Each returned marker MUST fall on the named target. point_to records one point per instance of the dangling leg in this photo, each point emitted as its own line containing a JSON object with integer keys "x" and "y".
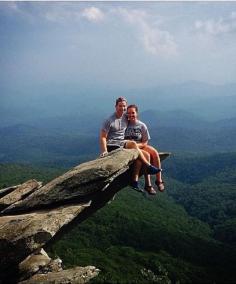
{"x": 155, "y": 159}
{"x": 150, "y": 169}
{"x": 135, "y": 175}
{"x": 148, "y": 184}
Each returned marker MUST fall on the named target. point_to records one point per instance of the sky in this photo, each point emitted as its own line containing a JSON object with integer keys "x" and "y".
{"x": 117, "y": 44}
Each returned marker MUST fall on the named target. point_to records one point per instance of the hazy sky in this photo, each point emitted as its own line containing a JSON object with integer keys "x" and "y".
{"x": 128, "y": 44}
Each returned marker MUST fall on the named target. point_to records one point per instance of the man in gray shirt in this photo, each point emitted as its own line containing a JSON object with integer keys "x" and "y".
{"x": 113, "y": 128}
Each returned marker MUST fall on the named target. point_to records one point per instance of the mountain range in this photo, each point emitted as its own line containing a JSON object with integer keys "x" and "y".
{"x": 66, "y": 140}
{"x": 30, "y": 104}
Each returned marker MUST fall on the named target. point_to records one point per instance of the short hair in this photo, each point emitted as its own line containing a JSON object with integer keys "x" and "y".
{"x": 120, "y": 99}
{"x": 133, "y": 106}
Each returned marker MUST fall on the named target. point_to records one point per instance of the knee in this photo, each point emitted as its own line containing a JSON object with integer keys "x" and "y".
{"x": 131, "y": 145}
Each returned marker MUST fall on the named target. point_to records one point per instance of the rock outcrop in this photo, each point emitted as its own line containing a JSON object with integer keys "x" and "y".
{"x": 78, "y": 275}
{"x": 40, "y": 268}
{"x": 33, "y": 216}
{"x": 19, "y": 193}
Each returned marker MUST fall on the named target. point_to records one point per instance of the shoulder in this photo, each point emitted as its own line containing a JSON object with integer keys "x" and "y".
{"x": 107, "y": 123}
{"x": 141, "y": 124}
{"x": 110, "y": 118}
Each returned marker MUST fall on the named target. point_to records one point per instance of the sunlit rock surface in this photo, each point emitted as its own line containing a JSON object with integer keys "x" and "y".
{"x": 19, "y": 192}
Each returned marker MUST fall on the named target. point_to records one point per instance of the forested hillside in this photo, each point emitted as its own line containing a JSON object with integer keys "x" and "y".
{"x": 186, "y": 234}
{"x": 208, "y": 191}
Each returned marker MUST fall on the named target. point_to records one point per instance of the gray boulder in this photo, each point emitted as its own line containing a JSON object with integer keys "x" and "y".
{"x": 21, "y": 235}
{"x": 5, "y": 191}
{"x": 77, "y": 275}
{"x": 19, "y": 192}
{"x": 33, "y": 264}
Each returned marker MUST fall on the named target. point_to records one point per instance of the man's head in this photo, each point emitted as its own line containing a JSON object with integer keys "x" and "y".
{"x": 121, "y": 106}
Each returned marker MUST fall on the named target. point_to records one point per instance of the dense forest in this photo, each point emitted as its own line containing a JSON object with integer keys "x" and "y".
{"x": 185, "y": 235}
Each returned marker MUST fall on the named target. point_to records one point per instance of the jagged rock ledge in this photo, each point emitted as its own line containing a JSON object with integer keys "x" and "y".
{"x": 40, "y": 268}
{"x": 33, "y": 216}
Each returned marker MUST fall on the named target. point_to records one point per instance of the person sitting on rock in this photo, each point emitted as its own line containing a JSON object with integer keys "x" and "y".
{"x": 138, "y": 132}
{"x": 113, "y": 132}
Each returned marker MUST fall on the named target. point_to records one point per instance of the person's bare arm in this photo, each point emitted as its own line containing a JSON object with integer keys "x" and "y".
{"x": 103, "y": 143}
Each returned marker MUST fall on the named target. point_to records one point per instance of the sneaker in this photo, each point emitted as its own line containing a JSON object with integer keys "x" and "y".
{"x": 150, "y": 190}
{"x": 151, "y": 170}
{"x": 135, "y": 186}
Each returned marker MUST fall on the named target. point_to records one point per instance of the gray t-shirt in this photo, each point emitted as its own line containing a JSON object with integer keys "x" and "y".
{"x": 137, "y": 132}
{"x": 115, "y": 129}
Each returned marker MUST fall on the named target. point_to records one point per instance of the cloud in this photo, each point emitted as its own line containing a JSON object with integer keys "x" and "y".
{"x": 66, "y": 13}
{"x": 18, "y": 9}
{"x": 155, "y": 40}
{"x": 217, "y": 27}
{"x": 93, "y": 14}
{"x": 61, "y": 13}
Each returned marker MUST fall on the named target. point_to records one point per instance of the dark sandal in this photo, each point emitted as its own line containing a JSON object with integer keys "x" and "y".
{"x": 150, "y": 190}
{"x": 160, "y": 185}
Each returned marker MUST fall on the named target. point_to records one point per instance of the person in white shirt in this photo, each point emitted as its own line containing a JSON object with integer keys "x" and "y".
{"x": 138, "y": 132}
